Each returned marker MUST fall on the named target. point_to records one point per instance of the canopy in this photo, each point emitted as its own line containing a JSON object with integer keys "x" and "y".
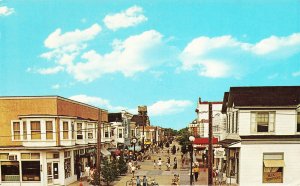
{"x": 105, "y": 152}
{"x": 204, "y": 141}
{"x": 274, "y": 163}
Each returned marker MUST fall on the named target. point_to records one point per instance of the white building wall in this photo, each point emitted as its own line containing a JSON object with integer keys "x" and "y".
{"x": 251, "y": 163}
{"x": 285, "y": 122}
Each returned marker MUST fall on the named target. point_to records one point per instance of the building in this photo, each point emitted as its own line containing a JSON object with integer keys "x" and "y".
{"x": 263, "y": 141}
{"x": 46, "y": 140}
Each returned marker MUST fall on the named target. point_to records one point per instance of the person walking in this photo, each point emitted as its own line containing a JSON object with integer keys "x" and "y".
{"x": 196, "y": 172}
{"x": 132, "y": 170}
{"x": 154, "y": 164}
{"x": 175, "y": 163}
{"x": 138, "y": 181}
{"x": 145, "y": 182}
{"x": 159, "y": 162}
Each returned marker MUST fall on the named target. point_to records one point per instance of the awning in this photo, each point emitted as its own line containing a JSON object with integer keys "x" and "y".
{"x": 105, "y": 152}
{"x": 227, "y": 143}
{"x": 204, "y": 141}
{"x": 274, "y": 163}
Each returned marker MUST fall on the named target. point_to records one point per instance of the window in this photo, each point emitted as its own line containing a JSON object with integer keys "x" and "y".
{"x": 54, "y": 155}
{"x": 262, "y": 122}
{"x": 49, "y": 130}
{"x": 79, "y": 131}
{"x": 106, "y": 135}
{"x": 16, "y": 130}
{"x": 35, "y": 129}
{"x": 30, "y": 156}
{"x": 273, "y": 168}
{"x": 10, "y": 171}
{"x": 298, "y": 122}
{"x": 90, "y": 131}
{"x": 24, "y": 130}
{"x": 67, "y": 164}
{"x": 31, "y": 171}
{"x": 3, "y": 156}
{"x": 65, "y": 130}
{"x": 120, "y": 133}
{"x": 73, "y": 132}
{"x": 236, "y": 122}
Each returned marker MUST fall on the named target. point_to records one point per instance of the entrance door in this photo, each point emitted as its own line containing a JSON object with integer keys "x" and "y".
{"x": 52, "y": 173}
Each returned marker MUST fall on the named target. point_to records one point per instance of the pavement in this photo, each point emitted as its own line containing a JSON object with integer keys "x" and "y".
{"x": 162, "y": 177}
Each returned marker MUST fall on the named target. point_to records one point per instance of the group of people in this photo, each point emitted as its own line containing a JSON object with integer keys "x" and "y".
{"x": 143, "y": 182}
{"x": 168, "y": 163}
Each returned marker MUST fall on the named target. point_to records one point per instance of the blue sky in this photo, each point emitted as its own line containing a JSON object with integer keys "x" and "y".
{"x": 163, "y": 54}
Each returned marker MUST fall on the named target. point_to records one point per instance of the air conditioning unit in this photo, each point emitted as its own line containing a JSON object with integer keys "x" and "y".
{"x": 12, "y": 157}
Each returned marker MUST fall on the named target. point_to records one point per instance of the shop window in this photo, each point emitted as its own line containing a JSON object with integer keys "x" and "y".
{"x": 10, "y": 171}
{"x": 31, "y": 171}
{"x": 16, "y": 130}
{"x": 49, "y": 130}
{"x": 52, "y": 155}
{"x": 262, "y": 122}
{"x": 35, "y": 129}
{"x": 273, "y": 168}
{"x": 67, "y": 164}
{"x": 65, "y": 130}
{"x": 298, "y": 122}
{"x": 79, "y": 131}
{"x": 24, "y": 130}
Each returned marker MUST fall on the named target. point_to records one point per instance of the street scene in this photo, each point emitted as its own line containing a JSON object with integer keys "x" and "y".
{"x": 149, "y": 93}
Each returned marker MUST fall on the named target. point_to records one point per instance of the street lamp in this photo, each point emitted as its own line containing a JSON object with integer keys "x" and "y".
{"x": 192, "y": 139}
{"x": 134, "y": 142}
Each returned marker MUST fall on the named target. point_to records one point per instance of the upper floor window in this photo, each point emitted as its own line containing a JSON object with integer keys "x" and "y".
{"x": 35, "y": 127}
{"x": 16, "y": 130}
{"x": 298, "y": 122}
{"x": 106, "y": 135}
{"x": 24, "y": 130}
{"x": 79, "y": 131}
{"x": 120, "y": 133}
{"x": 262, "y": 121}
{"x": 49, "y": 130}
{"x": 90, "y": 131}
{"x": 65, "y": 130}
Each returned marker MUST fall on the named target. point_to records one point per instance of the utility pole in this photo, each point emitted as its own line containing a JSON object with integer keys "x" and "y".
{"x": 144, "y": 123}
{"x": 210, "y": 151}
{"x": 98, "y": 165}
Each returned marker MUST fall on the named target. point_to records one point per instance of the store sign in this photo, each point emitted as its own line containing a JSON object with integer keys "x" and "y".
{"x": 272, "y": 177}
{"x": 219, "y": 153}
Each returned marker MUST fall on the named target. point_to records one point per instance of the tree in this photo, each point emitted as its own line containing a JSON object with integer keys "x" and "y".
{"x": 122, "y": 166}
{"x": 108, "y": 173}
{"x": 95, "y": 178}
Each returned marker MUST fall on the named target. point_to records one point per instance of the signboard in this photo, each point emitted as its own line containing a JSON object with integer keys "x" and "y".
{"x": 272, "y": 177}
{"x": 219, "y": 153}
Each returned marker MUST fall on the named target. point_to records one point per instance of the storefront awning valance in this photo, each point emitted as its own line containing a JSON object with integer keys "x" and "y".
{"x": 105, "y": 152}
{"x": 204, "y": 141}
{"x": 274, "y": 163}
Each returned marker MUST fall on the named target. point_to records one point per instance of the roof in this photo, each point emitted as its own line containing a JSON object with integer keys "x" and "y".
{"x": 204, "y": 141}
{"x": 262, "y": 96}
{"x": 115, "y": 117}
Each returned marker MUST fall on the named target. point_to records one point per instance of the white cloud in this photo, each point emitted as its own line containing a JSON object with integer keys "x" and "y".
{"x": 5, "y": 11}
{"x": 56, "y": 86}
{"x": 54, "y": 70}
{"x": 156, "y": 109}
{"x": 168, "y": 107}
{"x": 225, "y": 56}
{"x": 130, "y": 17}
{"x": 296, "y": 74}
{"x": 135, "y": 54}
{"x": 97, "y": 101}
{"x": 56, "y": 39}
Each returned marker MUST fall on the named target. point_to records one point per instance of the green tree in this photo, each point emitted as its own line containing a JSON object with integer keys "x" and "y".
{"x": 122, "y": 166}
{"x": 108, "y": 173}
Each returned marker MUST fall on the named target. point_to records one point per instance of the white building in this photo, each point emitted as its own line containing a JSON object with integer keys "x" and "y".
{"x": 263, "y": 142}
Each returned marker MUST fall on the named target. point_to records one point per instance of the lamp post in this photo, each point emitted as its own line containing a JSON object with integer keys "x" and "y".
{"x": 192, "y": 139}
{"x": 134, "y": 142}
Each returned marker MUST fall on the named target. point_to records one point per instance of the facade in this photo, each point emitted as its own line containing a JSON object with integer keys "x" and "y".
{"x": 263, "y": 141}
{"x": 46, "y": 140}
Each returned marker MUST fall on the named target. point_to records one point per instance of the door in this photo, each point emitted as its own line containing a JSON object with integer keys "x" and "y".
{"x": 52, "y": 173}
